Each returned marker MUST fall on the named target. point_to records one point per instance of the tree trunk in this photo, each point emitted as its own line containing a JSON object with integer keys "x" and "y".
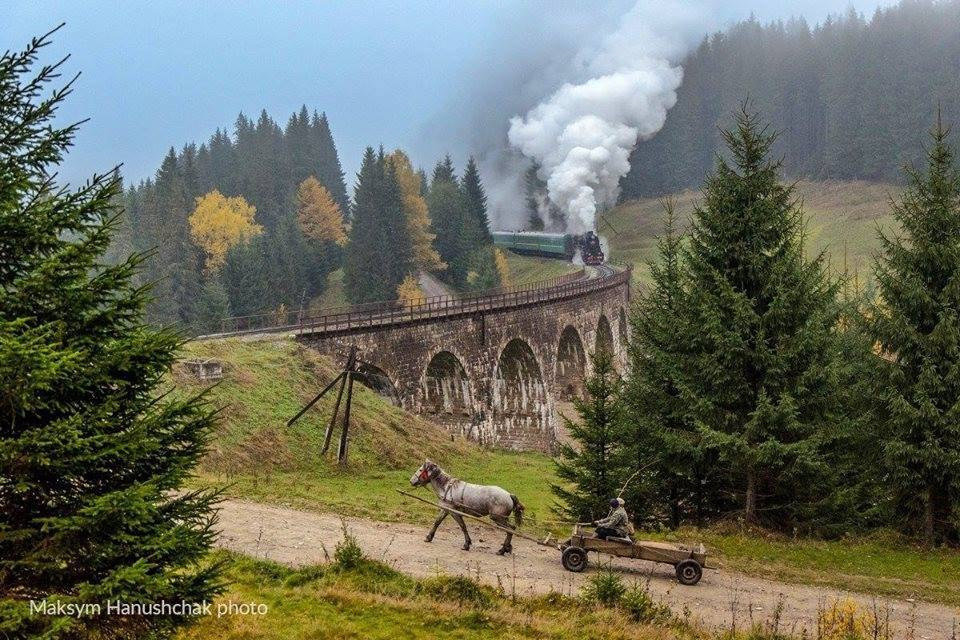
{"x": 674, "y": 505}
{"x": 930, "y": 514}
{"x": 750, "y": 502}
{"x": 699, "y": 489}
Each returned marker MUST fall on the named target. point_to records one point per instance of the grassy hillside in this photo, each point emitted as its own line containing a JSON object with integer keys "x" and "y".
{"x": 841, "y": 217}
{"x": 267, "y": 382}
{"x": 257, "y": 457}
{"x": 527, "y": 269}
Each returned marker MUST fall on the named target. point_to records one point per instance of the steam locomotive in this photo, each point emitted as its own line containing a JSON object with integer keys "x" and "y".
{"x": 552, "y": 245}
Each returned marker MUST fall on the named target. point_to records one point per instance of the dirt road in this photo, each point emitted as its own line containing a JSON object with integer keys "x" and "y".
{"x": 296, "y": 537}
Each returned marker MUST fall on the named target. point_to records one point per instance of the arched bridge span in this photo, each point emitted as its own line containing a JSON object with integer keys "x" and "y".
{"x": 489, "y": 367}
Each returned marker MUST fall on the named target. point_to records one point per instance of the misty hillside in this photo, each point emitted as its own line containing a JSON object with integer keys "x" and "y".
{"x": 853, "y": 97}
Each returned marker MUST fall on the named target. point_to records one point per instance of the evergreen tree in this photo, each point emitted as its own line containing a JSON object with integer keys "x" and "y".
{"x": 853, "y": 96}
{"x": 535, "y": 192}
{"x": 476, "y": 199}
{"x": 91, "y": 453}
{"x": 378, "y": 254}
{"x": 448, "y": 215}
{"x": 212, "y": 307}
{"x": 916, "y": 322}
{"x": 593, "y": 471}
{"x": 245, "y": 277}
{"x": 329, "y": 169}
{"x": 444, "y": 172}
{"x": 483, "y": 272}
{"x": 663, "y": 440}
{"x": 762, "y": 349}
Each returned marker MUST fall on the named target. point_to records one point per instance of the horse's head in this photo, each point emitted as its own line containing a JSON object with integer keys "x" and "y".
{"x": 427, "y": 472}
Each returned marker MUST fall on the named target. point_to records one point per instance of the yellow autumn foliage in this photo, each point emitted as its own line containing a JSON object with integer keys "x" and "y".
{"x": 409, "y": 291}
{"x": 503, "y": 267}
{"x": 418, "y": 217}
{"x": 844, "y": 619}
{"x": 219, "y": 223}
{"x": 318, "y": 214}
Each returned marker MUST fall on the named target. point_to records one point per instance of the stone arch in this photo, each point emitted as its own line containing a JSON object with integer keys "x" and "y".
{"x": 375, "y": 378}
{"x": 571, "y": 367}
{"x": 446, "y": 386}
{"x": 604, "y": 337}
{"x": 518, "y": 381}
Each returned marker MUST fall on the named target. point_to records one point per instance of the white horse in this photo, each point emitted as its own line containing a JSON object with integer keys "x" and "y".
{"x": 474, "y": 499}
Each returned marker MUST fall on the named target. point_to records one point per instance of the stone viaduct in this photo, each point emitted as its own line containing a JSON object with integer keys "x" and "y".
{"x": 492, "y": 367}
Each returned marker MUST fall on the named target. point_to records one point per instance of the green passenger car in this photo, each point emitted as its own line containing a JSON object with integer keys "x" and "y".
{"x": 551, "y": 245}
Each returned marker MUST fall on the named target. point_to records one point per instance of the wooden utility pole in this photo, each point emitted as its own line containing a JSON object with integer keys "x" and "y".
{"x": 345, "y": 378}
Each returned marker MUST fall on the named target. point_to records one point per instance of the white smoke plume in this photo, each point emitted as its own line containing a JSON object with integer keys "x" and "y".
{"x": 619, "y": 92}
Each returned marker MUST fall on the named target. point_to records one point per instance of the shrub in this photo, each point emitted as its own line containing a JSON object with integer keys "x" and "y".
{"x": 459, "y": 589}
{"x": 348, "y": 554}
{"x": 638, "y": 604}
{"x": 603, "y": 588}
{"x": 846, "y": 620}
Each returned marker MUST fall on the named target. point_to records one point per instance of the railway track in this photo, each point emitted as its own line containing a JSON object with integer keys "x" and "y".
{"x": 587, "y": 280}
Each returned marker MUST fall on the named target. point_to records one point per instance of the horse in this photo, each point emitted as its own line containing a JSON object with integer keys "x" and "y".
{"x": 474, "y": 499}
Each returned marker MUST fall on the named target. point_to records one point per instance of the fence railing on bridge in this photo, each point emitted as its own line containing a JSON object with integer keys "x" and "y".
{"x": 394, "y": 312}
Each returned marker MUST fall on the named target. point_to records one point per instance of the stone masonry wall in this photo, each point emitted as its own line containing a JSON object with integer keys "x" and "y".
{"x": 511, "y": 390}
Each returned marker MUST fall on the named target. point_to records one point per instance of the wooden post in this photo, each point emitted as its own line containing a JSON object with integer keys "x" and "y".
{"x": 342, "y": 450}
{"x": 333, "y": 417}
{"x": 314, "y": 401}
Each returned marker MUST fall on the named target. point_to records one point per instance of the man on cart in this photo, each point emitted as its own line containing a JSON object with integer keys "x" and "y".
{"x": 615, "y": 525}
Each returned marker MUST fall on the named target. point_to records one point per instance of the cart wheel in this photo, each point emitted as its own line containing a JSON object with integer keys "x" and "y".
{"x": 689, "y": 572}
{"x": 574, "y": 559}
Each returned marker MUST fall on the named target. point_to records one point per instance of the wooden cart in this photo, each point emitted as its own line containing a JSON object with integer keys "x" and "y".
{"x": 689, "y": 562}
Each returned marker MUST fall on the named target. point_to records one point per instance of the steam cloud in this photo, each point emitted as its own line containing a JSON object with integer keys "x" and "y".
{"x": 582, "y": 135}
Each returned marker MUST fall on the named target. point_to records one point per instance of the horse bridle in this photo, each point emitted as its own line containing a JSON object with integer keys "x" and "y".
{"x": 426, "y": 476}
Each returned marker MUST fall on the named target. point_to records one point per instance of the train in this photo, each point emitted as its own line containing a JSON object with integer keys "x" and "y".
{"x": 552, "y": 245}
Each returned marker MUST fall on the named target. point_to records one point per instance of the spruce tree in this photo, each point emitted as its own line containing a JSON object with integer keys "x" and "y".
{"x": 329, "y": 169}
{"x": 92, "y": 454}
{"x": 916, "y": 322}
{"x": 535, "y": 191}
{"x": 378, "y": 254}
{"x": 662, "y": 438}
{"x": 444, "y": 171}
{"x": 762, "y": 349}
{"x": 448, "y": 216}
{"x": 593, "y": 471}
{"x": 476, "y": 199}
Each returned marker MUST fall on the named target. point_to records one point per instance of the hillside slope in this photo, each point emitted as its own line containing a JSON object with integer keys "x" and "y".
{"x": 842, "y": 218}
{"x": 266, "y": 382}
{"x": 255, "y": 456}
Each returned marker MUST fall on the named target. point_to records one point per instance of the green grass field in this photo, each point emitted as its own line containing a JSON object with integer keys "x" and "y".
{"x": 843, "y": 219}
{"x": 364, "y": 599}
{"x": 527, "y": 269}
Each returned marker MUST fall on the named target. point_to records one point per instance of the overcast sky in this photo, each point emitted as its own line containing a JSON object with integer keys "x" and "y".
{"x": 161, "y": 73}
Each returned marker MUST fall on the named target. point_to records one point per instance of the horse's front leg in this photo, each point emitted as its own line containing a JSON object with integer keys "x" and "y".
{"x": 466, "y": 535}
{"x": 440, "y": 517}
{"x": 507, "y": 543}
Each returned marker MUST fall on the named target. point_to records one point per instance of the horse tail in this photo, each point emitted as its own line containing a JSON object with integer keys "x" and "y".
{"x": 518, "y": 509}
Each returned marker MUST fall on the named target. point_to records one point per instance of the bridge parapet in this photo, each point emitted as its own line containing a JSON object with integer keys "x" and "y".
{"x": 385, "y": 313}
